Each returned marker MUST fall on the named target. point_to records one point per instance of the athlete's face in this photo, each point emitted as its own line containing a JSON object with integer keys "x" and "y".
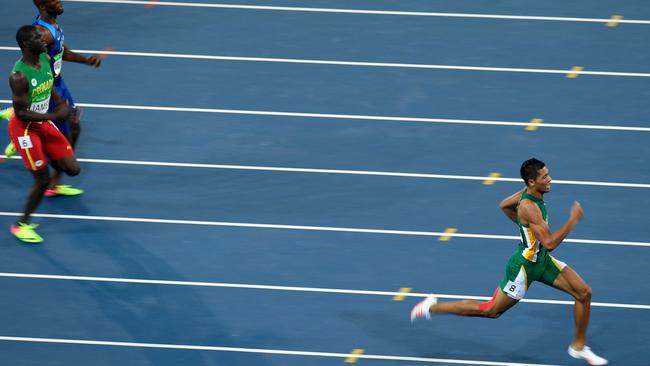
{"x": 52, "y": 7}
{"x": 35, "y": 43}
{"x": 542, "y": 182}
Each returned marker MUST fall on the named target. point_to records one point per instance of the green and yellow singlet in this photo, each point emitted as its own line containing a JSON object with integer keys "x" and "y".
{"x": 529, "y": 246}
{"x": 39, "y": 83}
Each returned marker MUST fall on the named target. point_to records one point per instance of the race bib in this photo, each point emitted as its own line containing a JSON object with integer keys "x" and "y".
{"x": 40, "y": 107}
{"x": 25, "y": 142}
{"x": 58, "y": 62}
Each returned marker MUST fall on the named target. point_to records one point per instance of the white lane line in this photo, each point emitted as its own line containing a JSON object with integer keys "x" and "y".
{"x": 339, "y": 171}
{"x": 313, "y": 228}
{"x": 356, "y": 172}
{"x": 362, "y": 11}
{"x": 263, "y": 351}
{"x": 355, "y": 117}
{"x": 357, "y": 63}
{"x": 297, "y": 289}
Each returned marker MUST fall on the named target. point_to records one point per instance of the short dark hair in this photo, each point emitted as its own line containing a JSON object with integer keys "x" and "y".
{"x": 530, "y": 168}
{"x": 23, "y": 33}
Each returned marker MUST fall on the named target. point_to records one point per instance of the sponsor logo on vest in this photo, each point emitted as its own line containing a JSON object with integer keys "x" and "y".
{"x": 43, "y": 87}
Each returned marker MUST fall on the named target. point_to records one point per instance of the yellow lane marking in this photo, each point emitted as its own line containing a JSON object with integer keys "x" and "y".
{"x": 450, "y": 230}
{"x": 615, "y": 19}
{"x": 534, "y": 124}
{"x": 352, "y": 359}
{"x": 573, "y": 75}
{"x": 403, "y": 290}
{"x": 489, "y": 182}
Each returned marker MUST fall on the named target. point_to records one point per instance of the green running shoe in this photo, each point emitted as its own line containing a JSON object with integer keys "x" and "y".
{"x": 6, "y": 113}
{"x": 25, "y": 233}
{"x": 62, "y": 190}
{"x": 10, "y": 150}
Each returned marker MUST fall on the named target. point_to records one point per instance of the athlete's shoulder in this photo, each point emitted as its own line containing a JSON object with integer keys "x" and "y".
{"x": 18, "y": 81}
{"x": 528, "y": 211}
{"x": 526, "y": 203}
{"x": 47, "y": 30}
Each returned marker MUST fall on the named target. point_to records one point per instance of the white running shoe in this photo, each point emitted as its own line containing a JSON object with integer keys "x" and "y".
{"x": 421, "y": 309}
{"x": 586, "y": 354}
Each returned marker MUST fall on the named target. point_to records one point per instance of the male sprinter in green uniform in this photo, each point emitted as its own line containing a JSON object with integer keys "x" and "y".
{"x": 46, "y": 22}
{"x": 31, "y": 130}
{"x": 531, "y": 262}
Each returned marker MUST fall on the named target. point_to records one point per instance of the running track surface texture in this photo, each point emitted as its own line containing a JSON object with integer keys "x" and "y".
{"x": 263, "y": 177}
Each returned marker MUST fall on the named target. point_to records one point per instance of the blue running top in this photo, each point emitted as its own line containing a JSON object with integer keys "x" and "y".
{"x": 55, "y": 50}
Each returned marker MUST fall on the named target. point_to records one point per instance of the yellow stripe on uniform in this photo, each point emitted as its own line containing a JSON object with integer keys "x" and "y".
{"x": 555, "y": 262}
{"x": 530, "y": 251}
{"x": 574, "y": 74}
{"x": 29, "y": 156}
{"x": 615, "y": 19}
{"x": 352, "y": 359}
{"x": 403, "y": 290}
{"x": 523, "y": 270}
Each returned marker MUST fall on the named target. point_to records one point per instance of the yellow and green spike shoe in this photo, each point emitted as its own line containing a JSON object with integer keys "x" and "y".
{"x": 7, "y": 113}
{"x": 62, "y": 190}
{"x": 10, "y": 150}
{"x": 25, "y": 233}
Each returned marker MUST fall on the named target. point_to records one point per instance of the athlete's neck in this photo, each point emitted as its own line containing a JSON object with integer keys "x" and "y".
{"x": 31, "y": 59}
{"x": 535, "y": 193}
{"x": 50, "y": 18}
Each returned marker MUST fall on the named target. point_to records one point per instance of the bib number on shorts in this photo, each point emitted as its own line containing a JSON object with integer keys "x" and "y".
{"x": 515, "y": 290}
{"x": 25, "y": 142}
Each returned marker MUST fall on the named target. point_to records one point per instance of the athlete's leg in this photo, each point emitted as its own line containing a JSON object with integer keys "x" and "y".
{"x": 75, "y": 126}
{"x": 35, "y": 195}
{"x": 67, "y": 164}
{"x": 65, "y": 129}
{"x": 498, "y": 305}
{"x": 570, "y": 282}
{"x": 61, "y": 156}
{"x": 70, "y": 129}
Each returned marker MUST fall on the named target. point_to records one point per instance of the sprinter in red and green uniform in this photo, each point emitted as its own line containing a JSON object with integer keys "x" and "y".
{"x": 31, "y": 130}
{"x": 531, "y": 262}
{"x": 52, "y": 32}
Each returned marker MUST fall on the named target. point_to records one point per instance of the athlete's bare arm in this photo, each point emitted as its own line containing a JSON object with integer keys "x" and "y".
{"x": 68, "y": 54}
{"x": 19, "y": 88}
{"x": 530, "y": 215}
{"x": 509, "y": 206}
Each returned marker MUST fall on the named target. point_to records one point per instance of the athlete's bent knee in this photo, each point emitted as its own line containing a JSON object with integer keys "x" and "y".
{"x": 494, "y": 315}
{"x": 491, "y": 313}
{"x": 487, "y": 308}
{"x": 72, "y": 171}
{"x": 584, "y": 294}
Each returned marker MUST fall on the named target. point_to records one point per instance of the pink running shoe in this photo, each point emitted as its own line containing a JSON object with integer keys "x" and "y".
{"x": 421, "y": 309}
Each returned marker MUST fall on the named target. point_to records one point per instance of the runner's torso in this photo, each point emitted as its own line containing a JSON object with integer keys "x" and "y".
{"x": 55, "y": 50}
{"x": 39, "y": 83}
{"x": 530, "y": 247}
